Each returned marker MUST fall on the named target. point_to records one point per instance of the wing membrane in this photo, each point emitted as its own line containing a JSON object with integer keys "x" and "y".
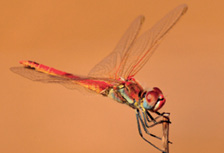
{"x": 108, "y": 66}
{"x": 130, "y": 54}
{"x": 44, "y": 77}
{"x": 142, "y": 49}
{"x": 79, "y": 83}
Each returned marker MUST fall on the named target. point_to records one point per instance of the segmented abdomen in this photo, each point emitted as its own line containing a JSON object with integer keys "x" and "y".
{"x": 47, "y": 69}
{"x": 67, "y": 79}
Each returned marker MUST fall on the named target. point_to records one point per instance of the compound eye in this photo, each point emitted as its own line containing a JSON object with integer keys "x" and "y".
{"x": 154, "y": 100}
{"x": 161, "y": 97}
{"x": 152, "y": 96}
{"x": 157, "y": 90}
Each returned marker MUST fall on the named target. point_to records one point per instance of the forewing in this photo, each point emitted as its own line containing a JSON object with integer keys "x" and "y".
{"x": 145, "y": 45}
{"x": 108, "y": 66}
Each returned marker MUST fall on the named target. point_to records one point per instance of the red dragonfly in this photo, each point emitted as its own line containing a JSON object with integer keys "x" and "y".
{"x": 114, "y": 76}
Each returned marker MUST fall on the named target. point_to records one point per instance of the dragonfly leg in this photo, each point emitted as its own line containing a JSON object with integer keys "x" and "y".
{"x": 148, "y": 115}
{"x": 145, "y": 124}
{"x": 161, "y": 114}
{"x": 146, "y": 119}
{"x": 138, "y": 117}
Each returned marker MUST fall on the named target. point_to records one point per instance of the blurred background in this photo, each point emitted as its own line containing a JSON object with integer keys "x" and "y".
{"x": 73, "y": 36}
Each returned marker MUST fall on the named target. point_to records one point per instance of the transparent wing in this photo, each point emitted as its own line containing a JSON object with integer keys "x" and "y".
{"x": 108, "y": 66}
{"x": 142, "y": 49}
{"x": 44, "y": 77}
{"x": 71, "y": 82}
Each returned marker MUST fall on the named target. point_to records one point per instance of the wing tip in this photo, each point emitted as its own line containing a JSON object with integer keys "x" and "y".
{"x": 184, "y": 7}
{"x": 141, "y": 18}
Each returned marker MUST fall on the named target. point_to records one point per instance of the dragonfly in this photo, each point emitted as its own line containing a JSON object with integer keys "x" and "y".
{"x": 113, "y": 77}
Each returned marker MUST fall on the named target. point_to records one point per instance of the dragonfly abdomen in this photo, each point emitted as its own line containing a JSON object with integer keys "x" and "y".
{"x": 46, "y": 69}
{"x": 93, "y": 84}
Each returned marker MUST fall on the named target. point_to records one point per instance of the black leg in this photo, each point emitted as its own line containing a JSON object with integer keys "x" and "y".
{"x": 145, "y": 124}
{"x": 150, "y": 116}
{"x": 161, "y": 114}
{"x": 145, "y": 119}
{"x": 140, "y": 132}
{"x": 144, "y": 127}
{"x": 154, "y": 119}
{"x": 159, "y": 122}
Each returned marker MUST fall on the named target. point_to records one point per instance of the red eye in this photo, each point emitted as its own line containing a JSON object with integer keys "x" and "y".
{"x": 152, "y": 96}
{"x": 154, "y": 100}
{"x": 157, "y": 90}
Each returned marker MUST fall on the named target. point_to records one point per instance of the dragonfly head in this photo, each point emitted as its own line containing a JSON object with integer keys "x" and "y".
{"x": 153, "y": 100}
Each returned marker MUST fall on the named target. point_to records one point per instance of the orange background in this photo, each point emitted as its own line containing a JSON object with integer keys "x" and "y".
{"x": 73, "y": 36}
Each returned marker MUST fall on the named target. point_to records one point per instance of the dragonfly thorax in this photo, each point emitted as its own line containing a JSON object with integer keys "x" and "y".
{"x": 130, "y": 92}
{"x": 127, "y": 92}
